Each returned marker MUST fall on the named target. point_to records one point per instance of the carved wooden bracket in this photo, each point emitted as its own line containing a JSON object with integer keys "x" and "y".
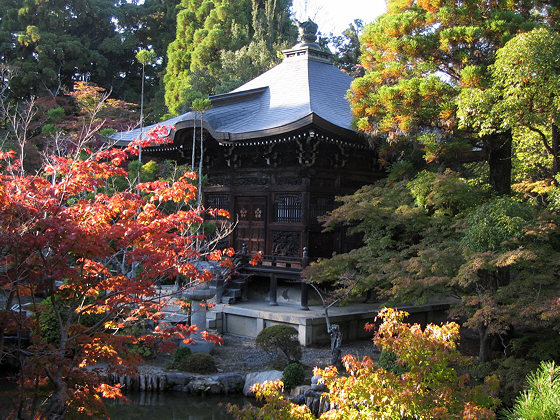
{"x": 307, "y": 151}
{"x": 340, "y": 159}
{"x": 231, "y": 157}
{"x": 270, "y": 156}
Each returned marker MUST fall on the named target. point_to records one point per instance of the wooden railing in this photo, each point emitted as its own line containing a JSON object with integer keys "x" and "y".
{"x": 276, "y": 261}
{"x": 274, "y": 267}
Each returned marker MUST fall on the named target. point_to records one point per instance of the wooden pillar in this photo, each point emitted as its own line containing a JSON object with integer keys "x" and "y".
{"x": 273, "y": 290}
{"x": 219, "y": 288}
{"x": 244, "y": 255}
{"x": 304, "y": 288}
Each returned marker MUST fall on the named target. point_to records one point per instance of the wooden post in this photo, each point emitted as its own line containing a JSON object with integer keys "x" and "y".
{"x": 244, "y": 291}
{"x": 273, "y": 290}
{"x": 244, "y": 255}
{"x": 304, "y": 288}
{"x": 219, "y": 288}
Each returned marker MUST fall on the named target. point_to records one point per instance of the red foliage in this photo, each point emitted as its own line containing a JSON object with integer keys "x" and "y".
{"x": 96, "y": 254}
{"x": 157, "y": 135}
{"x": 257, "y": 259}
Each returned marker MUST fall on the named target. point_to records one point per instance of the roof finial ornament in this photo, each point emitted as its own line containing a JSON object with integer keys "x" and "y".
{"x": 307, "y": 31}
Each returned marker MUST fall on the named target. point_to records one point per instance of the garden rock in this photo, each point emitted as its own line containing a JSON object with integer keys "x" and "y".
{"x": 259, "y": 378}
{"x": 299, "y": 390}
{"x": 178, "y": 381}
{"x": 208, "y": 386}
{"x": 231, "y": 382}
{"x": 316, "y": 386}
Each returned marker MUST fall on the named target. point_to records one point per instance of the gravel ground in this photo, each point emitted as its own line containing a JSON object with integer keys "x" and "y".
{"x": 239, "y": 354}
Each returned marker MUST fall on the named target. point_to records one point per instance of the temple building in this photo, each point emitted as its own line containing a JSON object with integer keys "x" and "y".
{"x": 277, "y": 150}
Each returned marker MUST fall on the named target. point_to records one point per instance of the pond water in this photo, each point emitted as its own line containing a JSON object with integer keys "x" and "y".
{"x": 156, "y": 406}
{"x": 174, "y": 405}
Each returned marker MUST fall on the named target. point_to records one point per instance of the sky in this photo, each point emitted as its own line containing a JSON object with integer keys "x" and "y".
{"x": 335, "y": 15}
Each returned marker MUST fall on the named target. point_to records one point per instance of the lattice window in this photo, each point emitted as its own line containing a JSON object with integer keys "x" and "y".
{"x": 218, "y": 201}
{"x": 319, "y": 206}
{"x": 288, "y": 208}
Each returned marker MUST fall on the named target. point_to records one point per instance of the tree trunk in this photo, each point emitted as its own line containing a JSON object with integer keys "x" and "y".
{"x": 499, "y": 161}
{"x": 555, "y": 149}
{"x": 193, "y": 141}
{"x": 483, "y": 344}
{"x": 199, "y": 201}
{"x": 57, "y": 403}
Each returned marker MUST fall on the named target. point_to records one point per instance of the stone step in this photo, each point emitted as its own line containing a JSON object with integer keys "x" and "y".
{"x": 174, "y": 318}
{"x": 228, "y": 300}
{"x": 238, "y": 284}
{"x": 233, "y": 292}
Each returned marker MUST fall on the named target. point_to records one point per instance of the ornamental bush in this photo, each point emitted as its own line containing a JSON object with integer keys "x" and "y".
{"x": 432, "y": 387}
{"x": 198, "y": 363}
{"x": 180, "y": 354}
{"x": 293, "y": 375}
{"x": 49, "y": 330}
{"x": 280, "y": 339}
{"x": 388, "y": 361}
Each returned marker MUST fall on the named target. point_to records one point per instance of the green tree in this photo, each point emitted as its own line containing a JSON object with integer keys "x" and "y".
{"x": 348, "y": 49}
{"x": 523, "y": 92}
{"x": 542, "y": 398}
{"x": 55, "y": 43}
{"x": 205, "y": 29}
{"x": 51, "y": 44}
{"x": 417, "y": 58}
{"x": 146, "y": 25}
{"x": 244, "y": 64}
{"x": 442, "y": 234}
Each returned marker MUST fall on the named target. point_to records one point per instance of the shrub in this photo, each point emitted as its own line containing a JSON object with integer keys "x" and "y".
{"x": 512, "y": 373}
{"x": 137, "y": 329}
{"x": 198, "y": 363}
{"x": 280, "y": 338}
{"x": 142, "y": 350}
{"x": 56, "y": 114}
{"x": 293, "y": 375}
{"x": 542, "y": 399}
{"x": 388, "y": 361}
{"x": 49, "y": 330}
{"x": 432, "y": 387}
{"x": 178, "y": 357}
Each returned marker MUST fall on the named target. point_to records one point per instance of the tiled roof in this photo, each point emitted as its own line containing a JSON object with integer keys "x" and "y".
{"x": 305, "y": 85}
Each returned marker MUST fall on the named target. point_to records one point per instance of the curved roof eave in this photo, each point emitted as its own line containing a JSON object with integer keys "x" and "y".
{"x": 311, "y": 119}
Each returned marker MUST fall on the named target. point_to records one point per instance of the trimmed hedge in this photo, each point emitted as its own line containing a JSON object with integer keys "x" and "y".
{"x": 293, "y": 375}
{"x": 280, "y": 338}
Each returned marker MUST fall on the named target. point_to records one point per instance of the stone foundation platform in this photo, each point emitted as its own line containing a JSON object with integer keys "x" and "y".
{"x": 247, "y": 319}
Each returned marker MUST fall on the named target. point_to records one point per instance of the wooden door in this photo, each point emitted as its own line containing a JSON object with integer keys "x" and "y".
{"x": 251, "y": 228}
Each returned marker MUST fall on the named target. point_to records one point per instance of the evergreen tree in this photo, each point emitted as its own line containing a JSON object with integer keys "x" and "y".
{"x": 149, "y": 25}
{"x": 209, "y": 30}
{"x": 53, "y": 43}
{"x": 347, "y": 49}
{"x": 49, "y": 45}
{"x": 523, "y": 92}
{"x": 417, "y": 58}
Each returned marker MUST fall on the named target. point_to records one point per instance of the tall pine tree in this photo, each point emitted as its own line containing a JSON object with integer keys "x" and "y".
{"x": 53, "y": 43}
{"x": 207, "y": 31}
{"x": 417, "y": 58}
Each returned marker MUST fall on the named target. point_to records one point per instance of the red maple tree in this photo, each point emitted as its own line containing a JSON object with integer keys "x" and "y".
{"x": 89, "y": 258}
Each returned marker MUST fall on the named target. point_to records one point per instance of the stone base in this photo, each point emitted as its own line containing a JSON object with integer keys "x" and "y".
{"x": 247, "y": 319}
